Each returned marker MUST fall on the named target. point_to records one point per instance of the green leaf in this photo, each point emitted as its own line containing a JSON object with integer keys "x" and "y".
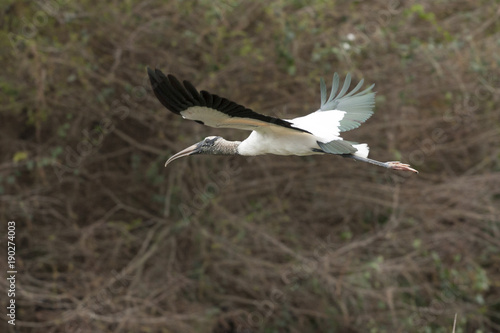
{"x": 20, "y": 156}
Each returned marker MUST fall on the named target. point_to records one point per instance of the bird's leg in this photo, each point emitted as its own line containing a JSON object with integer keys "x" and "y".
{"x": 395, "y": 165}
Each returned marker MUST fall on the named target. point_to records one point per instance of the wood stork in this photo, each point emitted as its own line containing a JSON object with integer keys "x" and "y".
{"x": 316, "y": 133}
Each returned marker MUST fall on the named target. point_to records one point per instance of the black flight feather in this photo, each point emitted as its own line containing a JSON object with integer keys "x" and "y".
{"x": 178, "y": 97}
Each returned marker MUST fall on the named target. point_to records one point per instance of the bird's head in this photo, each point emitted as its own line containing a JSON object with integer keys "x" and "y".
{"x": 211, "y": 145}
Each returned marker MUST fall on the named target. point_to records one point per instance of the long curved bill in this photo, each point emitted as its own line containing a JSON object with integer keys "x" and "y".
{"x": 186, "y": 152}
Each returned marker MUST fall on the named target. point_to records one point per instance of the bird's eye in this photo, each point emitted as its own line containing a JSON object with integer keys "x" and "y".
{"x": 209, "y": 141}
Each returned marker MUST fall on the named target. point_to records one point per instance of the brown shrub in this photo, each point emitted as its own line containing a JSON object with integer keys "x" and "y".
{"x": 109, "y": 241}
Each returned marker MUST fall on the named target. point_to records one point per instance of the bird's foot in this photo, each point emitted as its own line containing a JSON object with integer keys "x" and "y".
{"x": 395, "y": 165}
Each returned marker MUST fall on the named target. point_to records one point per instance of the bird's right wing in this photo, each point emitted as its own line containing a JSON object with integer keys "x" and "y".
{"x": 358, "y": 106}
{"x": 339, "y": 113}
{"x": 209, "y": 109}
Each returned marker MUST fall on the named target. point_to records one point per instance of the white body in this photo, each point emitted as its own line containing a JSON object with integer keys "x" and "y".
{"x": 323, "y": 126}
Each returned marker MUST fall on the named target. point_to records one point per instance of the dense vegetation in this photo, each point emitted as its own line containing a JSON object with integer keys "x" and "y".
{"x": 110, "y": 241}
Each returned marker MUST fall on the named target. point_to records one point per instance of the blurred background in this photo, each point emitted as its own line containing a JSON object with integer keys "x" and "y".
{"x": 108, "y": 240}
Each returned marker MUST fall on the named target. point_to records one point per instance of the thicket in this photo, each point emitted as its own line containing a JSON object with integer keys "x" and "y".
{"x": 110, "y": 241}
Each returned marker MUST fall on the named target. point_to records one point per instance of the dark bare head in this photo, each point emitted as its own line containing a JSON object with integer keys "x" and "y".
{"x": 211, "y": 145}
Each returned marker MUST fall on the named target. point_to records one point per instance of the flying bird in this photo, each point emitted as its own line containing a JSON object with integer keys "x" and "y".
{"x": 315, "y": 133}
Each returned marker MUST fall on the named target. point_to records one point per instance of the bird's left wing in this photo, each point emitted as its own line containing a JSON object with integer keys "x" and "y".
{"x": 206, "y": 108}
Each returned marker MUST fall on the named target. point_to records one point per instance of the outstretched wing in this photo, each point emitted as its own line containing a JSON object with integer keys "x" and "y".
{"x": 206, "y": 108}
{"x": 340, "y": 112}
{"x": 358, "y": 106}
